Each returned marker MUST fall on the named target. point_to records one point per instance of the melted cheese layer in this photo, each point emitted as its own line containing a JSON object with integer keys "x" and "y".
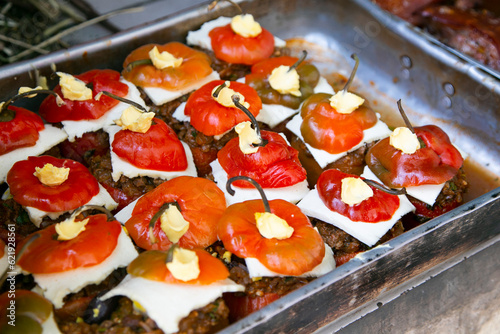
{"x": 55, "y": 286}
{"x": 167, "y": 304}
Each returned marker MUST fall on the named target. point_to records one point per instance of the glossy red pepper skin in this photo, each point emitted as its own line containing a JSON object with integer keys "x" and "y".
{"x": 380, "y": 207}
{"x": 195, "y": 66}
{"x": 326, "y": 129}
{"x": 22, "y": 131}
{"x": 91, "y": 247}
{"x": 294, "y": 256}
{"x": 157, "y": 149}
{"x": 274, "y": 165}
{"x": 27, "y": 190}
{"x": 259, "y": 80}
{"x": 101, "y": 80}
{"x": 235, "y": 49}
{"x": 435, "y": 163}
{"x": 151, "y": 265}
{"x": 210, "y": 117}
{"x": 201, "y": 203}
{"x": 242, "y": 305}
{"x": 425, "y": 211}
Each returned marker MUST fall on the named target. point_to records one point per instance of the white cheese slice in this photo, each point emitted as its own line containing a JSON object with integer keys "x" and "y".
{"x": 273, "y": 114}
{"x": 126, "y": 213}
{"x": 179, "y": 115}
{"x": 368, "y": 233}
{"x": 78, "y": 128}
{"x": 55, "y": 286}
{"x": 379, "y": 131}
{"x": 4, "y": 263}
{"x": 292, "y": 194}
{"x": 323, "y": 87}
{"x": 167, "y": 304}
{"x": 257, "y": 269}
{"x": 122, "y": 167}
{"x": 427, "y": 193}
{"x": 103, "y": 198}
{"x": 161, "y": 96}
{"x": 49, "y": 137}
{"x": 200, "y": 37}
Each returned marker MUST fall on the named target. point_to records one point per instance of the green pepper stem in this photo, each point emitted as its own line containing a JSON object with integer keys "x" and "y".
{"x": 7, "y": 115}
{"x": 83, "y": 208}
{"x": 405, "y": 118}
{"x": 219, "y": 88}
{"x": 254, "y": 183}
{"x": 353, "y": 72}
{"x": 236, "y": 101}
{"x": 139, "y": 62}
{"x": 121, "y": 99}
{"x": 170, "y": 253}
{"x": 385, "y": 189}
{"x": 298, "y": 62}
{"x": 157, "y": 216}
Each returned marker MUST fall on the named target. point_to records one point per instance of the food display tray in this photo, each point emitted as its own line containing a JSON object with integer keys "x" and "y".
{"x": 397, "y": 62}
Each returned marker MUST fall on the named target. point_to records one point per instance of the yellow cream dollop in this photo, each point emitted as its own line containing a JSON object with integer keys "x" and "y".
{"x": 245, "y": 25}
{"x": 50, "y": 175}
{"x": 404, "y": 140}
{"x": 70, "y": 229}
{"x": 173, "y": 223}
{"x": 247, "y": 137}
{"x": 354, "y": 191}
{"x": 225, "y": 96}
{"x": 285, "y": 81}
{"x": 184, "y": 265}
{"x": 134, "y": 120}
{"x": 272, "y": 226}
{"x": 164, "y": 59}
{"x": 345, "y": 103}
{"x": 72, "y": 88}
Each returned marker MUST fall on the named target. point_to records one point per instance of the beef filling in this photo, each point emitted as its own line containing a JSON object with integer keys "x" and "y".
{"x": 450, "y": 197}
{"x": 352, "y": 163}
{"x": 127, "y": 320}
{"x": 344, "y": 245}
{"x": 125, "y": 190}
{"x": 238, "y": 272}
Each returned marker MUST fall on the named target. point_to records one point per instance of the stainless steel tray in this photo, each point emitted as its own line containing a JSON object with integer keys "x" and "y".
{"x": 396, "y": 62}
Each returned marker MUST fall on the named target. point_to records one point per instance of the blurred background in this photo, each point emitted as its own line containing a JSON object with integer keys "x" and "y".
{"x": 29, "y": 28}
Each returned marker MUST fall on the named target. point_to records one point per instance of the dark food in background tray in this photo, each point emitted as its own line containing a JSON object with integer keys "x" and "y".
{"x": 470, "y": 26}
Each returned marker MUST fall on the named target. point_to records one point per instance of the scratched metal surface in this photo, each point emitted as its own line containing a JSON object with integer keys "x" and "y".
{"x": 436, "y": 87}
